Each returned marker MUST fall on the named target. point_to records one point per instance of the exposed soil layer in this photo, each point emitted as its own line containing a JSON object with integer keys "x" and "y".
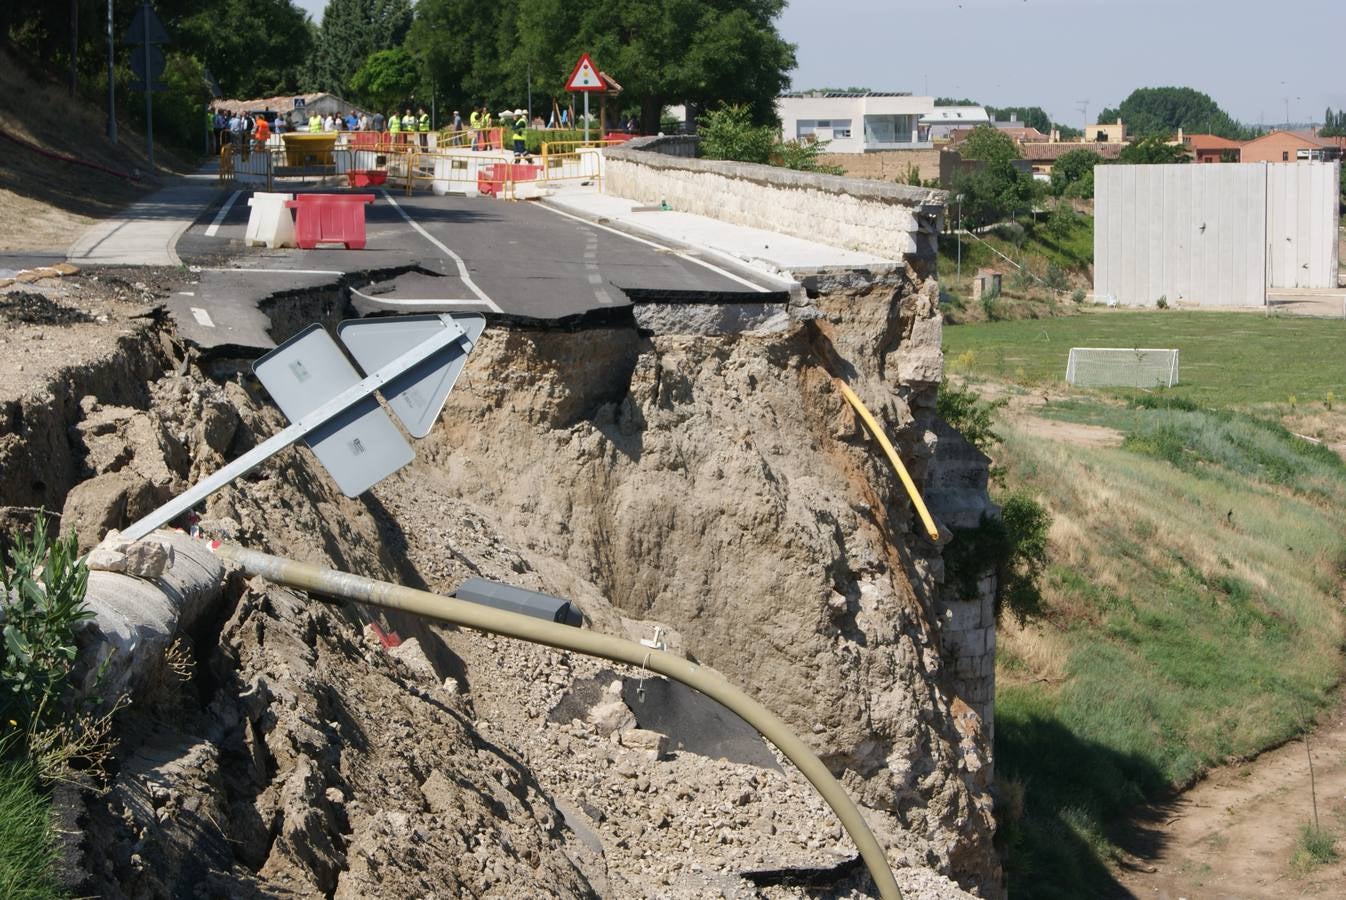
{"x": 1235, "y": 834}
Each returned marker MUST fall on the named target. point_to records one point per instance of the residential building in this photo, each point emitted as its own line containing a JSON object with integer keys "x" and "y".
{"x": 1105, "y": 133}
{"x": 1210, "y": 148}
{"x": 1290, "y": 146}
{"x": 1042, "y": 156}
{"x": 866, "y": 122}
{"x": 1015, "y": 131}
{"x": 944, "y": 120}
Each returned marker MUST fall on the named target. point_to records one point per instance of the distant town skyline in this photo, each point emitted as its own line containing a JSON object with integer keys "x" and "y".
{"x": 1074, "y": 58}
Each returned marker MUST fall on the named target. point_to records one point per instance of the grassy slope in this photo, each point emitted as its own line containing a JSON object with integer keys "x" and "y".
{"x": 1194, "y": 587}
{"x": 26, "y": 853}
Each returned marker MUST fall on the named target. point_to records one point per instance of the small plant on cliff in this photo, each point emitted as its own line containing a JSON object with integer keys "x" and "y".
{"x": 968, "y": 414}
{"x": 44, "y": 581}
{"x": 1315, "y": 847}
{"x": 1013, "y": 546}
{"x": 728, "y": 133}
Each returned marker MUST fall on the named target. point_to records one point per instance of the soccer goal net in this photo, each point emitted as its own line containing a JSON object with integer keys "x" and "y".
{"x": 1122, "y": 367}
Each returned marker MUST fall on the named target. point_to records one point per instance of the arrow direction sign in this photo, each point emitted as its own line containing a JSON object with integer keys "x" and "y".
{"x": 145, "y": 28}
{"x": 585, "y": 77}
{"x": 360, "y": 446}
{"x": 417, "y": 396}
{"x": 336, "y": 412}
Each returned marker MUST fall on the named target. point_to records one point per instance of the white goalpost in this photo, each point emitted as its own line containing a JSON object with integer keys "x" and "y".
{"x": 1122, "y": 367}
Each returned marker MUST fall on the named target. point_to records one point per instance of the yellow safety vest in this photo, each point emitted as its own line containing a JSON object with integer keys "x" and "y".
{"x": 424, "y": 123}
{"x": 520, "y": 129}
{"x": 474, "y": 119}
{"x": 314, "y": 124}
{"x": 394, "y": 124}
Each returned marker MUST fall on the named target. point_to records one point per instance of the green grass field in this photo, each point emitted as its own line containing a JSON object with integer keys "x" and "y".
{"x": 1225, "y": 359}
{"x": 1195, "y": 571}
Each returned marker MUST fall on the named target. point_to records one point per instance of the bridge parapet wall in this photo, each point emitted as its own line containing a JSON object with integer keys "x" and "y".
{"x": 896, "y": 221}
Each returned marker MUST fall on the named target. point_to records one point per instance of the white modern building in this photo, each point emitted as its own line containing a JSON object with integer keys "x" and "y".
{"x": 870, "y": 121}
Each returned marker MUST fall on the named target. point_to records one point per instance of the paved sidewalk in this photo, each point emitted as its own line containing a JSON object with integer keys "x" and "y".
{"x": 765, "y": 251}
{"x": 146, "y": 233}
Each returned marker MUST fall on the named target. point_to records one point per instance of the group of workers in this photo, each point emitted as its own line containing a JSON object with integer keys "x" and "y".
{"x": 246, "y": 131}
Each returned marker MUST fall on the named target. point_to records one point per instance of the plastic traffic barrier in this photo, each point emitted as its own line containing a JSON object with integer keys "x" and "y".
{"x": 330, "y": 219}
{"x": 269, "y": 222}
{"x": 491, "y": 179}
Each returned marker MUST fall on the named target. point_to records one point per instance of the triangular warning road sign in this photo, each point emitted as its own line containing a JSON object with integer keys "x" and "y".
{"x": 585, "y": 77}
{"x": 417, "y": 395}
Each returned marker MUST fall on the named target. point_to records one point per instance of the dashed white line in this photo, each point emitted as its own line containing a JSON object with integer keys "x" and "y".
{"x": 678, "y": 253}
{"x": 219, "y": 216}
{"x": 458, "y": 260}
{"x": 202, "y": 317}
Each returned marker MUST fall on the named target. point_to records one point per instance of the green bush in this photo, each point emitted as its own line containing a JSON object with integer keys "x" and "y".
{"x": 45, "y": 581}
{"x": 27, "y": 851}
{"x": 1014, "y": 546}
{"x": 1055, "y": 278}
{"x": 969, "y": 415}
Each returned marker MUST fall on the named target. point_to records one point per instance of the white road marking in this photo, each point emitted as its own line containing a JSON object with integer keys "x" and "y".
{"x": 219, "y": 216}
{"x": 399, "y": 301}
{"x": 186, "y": 293}
{"x": 269, "y": 271}
{"x": 462, "y": 266}
{"x": 678, "y": 253}
{"x": 202, "y": 317}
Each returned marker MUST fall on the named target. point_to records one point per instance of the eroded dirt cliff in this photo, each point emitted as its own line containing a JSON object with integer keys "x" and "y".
{"x": 712, "y": 485}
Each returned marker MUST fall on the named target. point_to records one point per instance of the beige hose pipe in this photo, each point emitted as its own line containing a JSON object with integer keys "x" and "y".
{"x": 563, "y": 637}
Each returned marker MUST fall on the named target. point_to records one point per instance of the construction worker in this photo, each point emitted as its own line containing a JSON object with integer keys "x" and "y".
{"x": 408, "y": 122}
{"x": 474, "y": 124}
{"x": 261, "y": 131}
{"x": 423, "y": 127}
{"x": 520, "y": 134}
{"x": 486, "y": 123}
{"x": 395, "y": 126}
{"x": 314, "y": 122}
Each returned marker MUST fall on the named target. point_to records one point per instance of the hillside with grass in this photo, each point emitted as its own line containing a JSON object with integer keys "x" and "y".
{"x": 1193, "y": 584}
{"x": 48, "y": 200}
{"x": 1046, "y": 263}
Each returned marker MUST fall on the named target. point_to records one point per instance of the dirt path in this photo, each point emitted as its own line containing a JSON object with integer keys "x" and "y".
{"x": 1234, "y": 834}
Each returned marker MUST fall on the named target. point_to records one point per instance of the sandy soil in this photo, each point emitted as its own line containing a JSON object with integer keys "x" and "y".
{"x": 1075, "y": 433}
{"x": 1234, "y": 834}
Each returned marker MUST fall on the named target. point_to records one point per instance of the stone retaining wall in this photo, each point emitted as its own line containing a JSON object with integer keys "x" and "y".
{"x": 895, "y": 221}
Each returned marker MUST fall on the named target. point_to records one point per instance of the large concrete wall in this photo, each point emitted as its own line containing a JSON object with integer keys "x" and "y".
{"x": 891, "y": 220}
{"x": 1214, "y": 235}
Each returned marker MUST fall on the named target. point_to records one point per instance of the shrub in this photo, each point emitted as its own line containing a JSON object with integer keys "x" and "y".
{"x": 1055, "y": 278}
{"x": 1011, "y": 232}
{"x": 1078, "y": 295}
{"x": 1162, "y": 302}
{"x": 1014, "y": 546}
{"x": 1315, "y": 847}
{"x": 968, "y": 414}
{"x": 46, "y": 582}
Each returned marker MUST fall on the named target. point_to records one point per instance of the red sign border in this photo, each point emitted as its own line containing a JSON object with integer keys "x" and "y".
{"x": 584, "y": 57}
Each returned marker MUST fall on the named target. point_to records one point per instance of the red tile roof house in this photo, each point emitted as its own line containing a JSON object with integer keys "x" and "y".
{"x": 1210, "y": 148}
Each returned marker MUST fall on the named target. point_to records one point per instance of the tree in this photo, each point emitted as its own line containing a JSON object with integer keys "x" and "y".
{"x": 351, "y": 30}
{"x": 728, "y": 133}
{"x": 1152, "y": 150}
{"x": 698, "y": 51}
{"x": 387, "y": 78}
{"x": 1071, "y": 167}
{"x": 1030, "y": 116}
{"x": 989, "y": 144}
{"x": 246, "y": 60}
{"x": 1163, "y": 110}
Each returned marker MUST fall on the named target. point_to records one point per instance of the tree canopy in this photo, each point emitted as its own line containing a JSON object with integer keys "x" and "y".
{"x": 1071, "y": 169}
{"x": 1163, "y": 110}
{"x": 1152, "y": 150}
{"x": 246, "y": 60}
{"x": 351, "y": 30}
{"x": 989, "y": 144}
{"x": 387, "y": 79}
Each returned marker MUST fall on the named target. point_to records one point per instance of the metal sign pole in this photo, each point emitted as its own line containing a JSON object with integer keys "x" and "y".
{"x": 309, "y": 423}
{"x": 149, "y": 94}
{"x": 586, "y": 117}
{"x": 111, "y": 87}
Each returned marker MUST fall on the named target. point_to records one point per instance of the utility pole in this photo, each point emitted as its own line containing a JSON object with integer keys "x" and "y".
{"x": 74, "y": 46}
{"x": 530, "y": 93}
{"x": 149, "y": 94}
{"x": 111, "y": 85}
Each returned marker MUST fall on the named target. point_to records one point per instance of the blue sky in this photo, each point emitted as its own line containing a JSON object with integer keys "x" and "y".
{"x": 1250, "y": 55}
